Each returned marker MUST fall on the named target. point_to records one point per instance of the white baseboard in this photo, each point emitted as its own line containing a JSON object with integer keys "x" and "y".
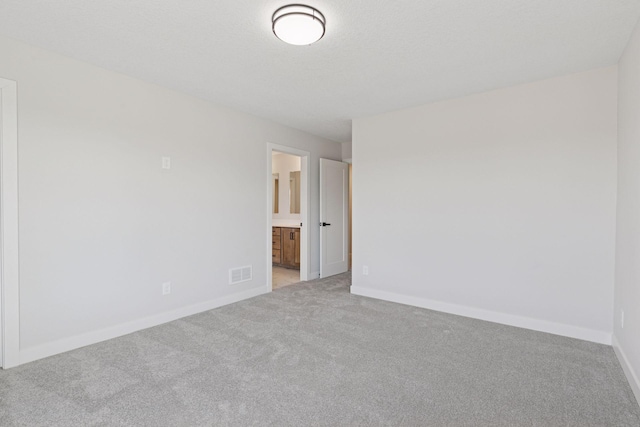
{"x": 632, "y": 377}
{"x": 82, "y": 340}
{"x": 599, "y": 337}
{"x": 314, "y": 275}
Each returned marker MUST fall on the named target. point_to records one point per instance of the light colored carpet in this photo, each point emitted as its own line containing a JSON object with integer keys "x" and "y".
{"x": 312, "y": 354}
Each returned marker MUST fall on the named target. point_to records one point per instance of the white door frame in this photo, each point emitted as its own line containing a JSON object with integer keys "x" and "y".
{"x": 305, "y": 194}
{"x": 9, "y": 266}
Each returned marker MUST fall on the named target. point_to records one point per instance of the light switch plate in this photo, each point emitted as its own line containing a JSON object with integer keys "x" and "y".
{"x": 166, "y": 163}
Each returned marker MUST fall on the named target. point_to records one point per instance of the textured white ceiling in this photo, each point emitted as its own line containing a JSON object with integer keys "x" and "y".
{"x": 377, "y": 55}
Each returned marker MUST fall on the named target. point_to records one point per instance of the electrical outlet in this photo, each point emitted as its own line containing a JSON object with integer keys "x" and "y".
{"x": 166, "y": 288}
{"x": 622, "y": 319}
{"x": 365, "y": 270}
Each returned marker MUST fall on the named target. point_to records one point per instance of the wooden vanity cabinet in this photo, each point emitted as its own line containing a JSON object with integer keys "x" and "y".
{"x": 286, "y": 247}
{"x": 276, "y": 254}
{"x": 296, "y": 257}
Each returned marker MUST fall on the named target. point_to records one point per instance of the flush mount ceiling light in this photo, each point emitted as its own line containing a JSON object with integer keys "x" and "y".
{"x": 298, "y": 24}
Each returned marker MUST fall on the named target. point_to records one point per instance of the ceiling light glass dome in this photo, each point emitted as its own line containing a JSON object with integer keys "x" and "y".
{"x": 298, "y": 24}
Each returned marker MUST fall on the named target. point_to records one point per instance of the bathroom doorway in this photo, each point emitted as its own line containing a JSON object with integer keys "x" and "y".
{"x": 288, "y": 225}
{"x": 285, "y": 248}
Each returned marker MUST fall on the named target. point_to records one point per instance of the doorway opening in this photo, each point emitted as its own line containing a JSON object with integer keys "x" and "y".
{"x": 285, "y": 248}
{"x": 287, "y": 216}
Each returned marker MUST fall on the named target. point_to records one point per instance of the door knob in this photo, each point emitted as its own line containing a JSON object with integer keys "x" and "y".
{"x": 324, "y": 224}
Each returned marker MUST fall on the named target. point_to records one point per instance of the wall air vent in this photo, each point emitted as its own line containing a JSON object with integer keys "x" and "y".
{"x": 240, "y": 274}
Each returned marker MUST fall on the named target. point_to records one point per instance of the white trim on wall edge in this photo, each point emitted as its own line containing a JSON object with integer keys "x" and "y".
{"x": 634, "y": 382}
{"x": 67, "y": 344}
{"x": 9, "y": 229}
{"x": 593, "y": 335}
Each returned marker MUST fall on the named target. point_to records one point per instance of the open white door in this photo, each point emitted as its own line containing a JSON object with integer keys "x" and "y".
{"x": 334, "y": 217}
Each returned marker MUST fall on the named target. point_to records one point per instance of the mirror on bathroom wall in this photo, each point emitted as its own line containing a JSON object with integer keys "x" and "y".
{"x": 276, "y": 191}
{"x": 294, "y": 192}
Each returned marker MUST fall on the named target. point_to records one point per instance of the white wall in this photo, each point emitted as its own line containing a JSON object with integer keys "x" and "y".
{"x": 102, "y": 225}
{"x": 627, "y": 287}
{"x": 284, "y": 164}
{"x": 346, "y": 152}
{"x": 498, "y": 206}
